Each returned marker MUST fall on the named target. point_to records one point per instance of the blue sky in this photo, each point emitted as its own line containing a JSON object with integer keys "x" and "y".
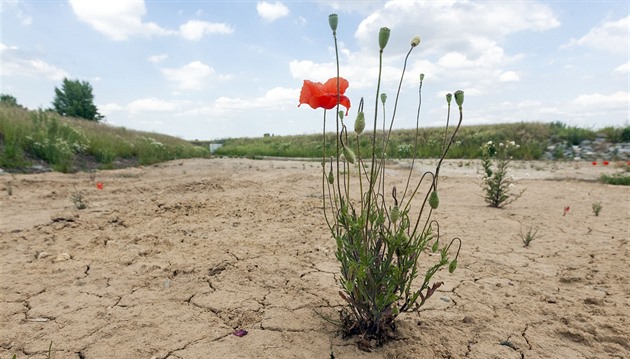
{"x": 214, "y": 69}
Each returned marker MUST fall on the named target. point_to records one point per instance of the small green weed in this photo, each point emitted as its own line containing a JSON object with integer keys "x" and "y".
{"x": 597, "y": 207}
{"x": 497, "y": 183}
{"x": 78, "y": 199}
{"x": 528, "y": 237}
{"x": 618, "y": 179}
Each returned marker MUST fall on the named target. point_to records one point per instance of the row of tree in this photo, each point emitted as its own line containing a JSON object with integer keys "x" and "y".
{"x": 73, "y": 99}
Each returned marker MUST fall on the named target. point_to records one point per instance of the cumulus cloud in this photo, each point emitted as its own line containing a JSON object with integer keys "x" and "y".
{"x": 194, "y": 29}
{"x": 509, "y": 76}
{"x": 13, "y": 64}
{"x": 619, "y": 98}
{"x": 623, "y": 68}
{"x": 610, "y": 36}
{"x": 156, "y": 59}
{"x": 191, "y": 76}
{"x": 462, "y": 44}
{"x": 277, "y": 98}
{"x": 270, "y": 12}
{"x": 455, "y": 25}
{"x": 117, "y": 19}
{"x": 152, "y": 105}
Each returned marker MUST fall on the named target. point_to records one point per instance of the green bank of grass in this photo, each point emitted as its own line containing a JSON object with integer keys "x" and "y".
{"x": 533, "y": 139}
{"x": 69, "y": 144}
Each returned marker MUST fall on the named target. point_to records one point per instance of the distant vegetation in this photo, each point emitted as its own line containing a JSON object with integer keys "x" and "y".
{"x": 69, "y": 144}
{"x": 533, "y": 139}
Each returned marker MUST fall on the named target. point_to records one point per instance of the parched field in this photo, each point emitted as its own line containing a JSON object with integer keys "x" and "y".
{"x": 169, "y": 261}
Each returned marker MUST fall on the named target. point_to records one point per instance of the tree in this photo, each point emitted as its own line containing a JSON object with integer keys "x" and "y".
{"x": 76, "y": 99}
{"x": 9, "y": 100}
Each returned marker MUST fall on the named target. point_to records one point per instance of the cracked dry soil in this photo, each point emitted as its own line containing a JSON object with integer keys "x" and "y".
{"x": 168, "y": 261}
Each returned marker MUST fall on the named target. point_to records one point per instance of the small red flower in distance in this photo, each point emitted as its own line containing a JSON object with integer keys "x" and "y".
{"x": 605, "y": 163}
{"x": 318, "y": 95}
{"x": 566, "y": 210}
{"x": 594, "y": 163}
{"x": 99, "y": 185}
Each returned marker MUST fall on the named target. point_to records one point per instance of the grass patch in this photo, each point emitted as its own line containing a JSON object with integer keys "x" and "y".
{"x": 532, "y": 137}
{"x": 70, "y": 144}
{"x": 618, "y": 179}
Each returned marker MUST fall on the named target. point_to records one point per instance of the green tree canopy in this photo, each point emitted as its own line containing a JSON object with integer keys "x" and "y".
{"x": 76, "y": 99}
{"x": 9, "y": 100}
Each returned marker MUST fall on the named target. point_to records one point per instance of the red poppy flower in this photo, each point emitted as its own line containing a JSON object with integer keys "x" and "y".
{"x": 594, "y": 163}
{"x": 99, "y": 185}
{"x": 318, "y": 95}
{"x": 605, "y": 163}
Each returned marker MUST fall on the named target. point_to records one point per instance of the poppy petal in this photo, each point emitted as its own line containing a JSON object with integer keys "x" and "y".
{"x": 331, "y": 85}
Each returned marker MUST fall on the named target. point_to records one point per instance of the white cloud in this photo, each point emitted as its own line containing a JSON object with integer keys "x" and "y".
{"x": 270, "y": 12}
{"x": 151, "y": 105}
{"x": 14, "y": 65}
{"x": 623, "y": 68}
{"x": 619, "y": 98}
{"x": 509, "y": 76}
{"x": 454, "y": 24}
{"x": 195, "y": 29}
{"x": 278, "y": 98}
{"x": 109, "y": 108}
{"x": 156, "y": 59}
{"x": 117, "y": 19}
{"x": 462, "y": 44}
{"x": 189, "y": 77}
{"x": 611, "y": 36}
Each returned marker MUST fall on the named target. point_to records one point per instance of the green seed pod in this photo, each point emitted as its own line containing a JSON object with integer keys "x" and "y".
{"x": 383, "y": 98}
{"x": 359, "y": 123}
{"x": 435, "y": 246}
{"x": 421, "y": 77}
{"x": 333, "y": 20}
{"x": 394, "y": 214}
{"x": 349, "y": 155}
{"x": 434, "y": 200}
{"x": 459, "y": 98}
{"x": 415, "y": 41}
{"x": 383, "y": 37}
{"x": 452, "y": 266}
{"x": 331, "y": 177}
{"x": 341, "y": 113}
{"x": 449, "y": 96}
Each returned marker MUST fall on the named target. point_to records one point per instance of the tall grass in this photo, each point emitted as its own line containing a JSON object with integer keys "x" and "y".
{"x": 69, "y": 144}
{"x": 533, "y": 138}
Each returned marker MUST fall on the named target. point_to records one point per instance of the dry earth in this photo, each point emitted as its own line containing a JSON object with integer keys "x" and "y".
{"x": 168, "y": 261}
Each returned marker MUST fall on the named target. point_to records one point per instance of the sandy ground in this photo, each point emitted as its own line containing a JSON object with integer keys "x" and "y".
{"x": 168, "y": 261}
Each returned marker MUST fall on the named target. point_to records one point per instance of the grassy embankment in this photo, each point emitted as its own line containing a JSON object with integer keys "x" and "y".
{"x": 533, "y": 138}
{"x": 70, "y": 144}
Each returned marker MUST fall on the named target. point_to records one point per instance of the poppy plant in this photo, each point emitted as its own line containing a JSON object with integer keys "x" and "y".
{"x": 318, "y": 95}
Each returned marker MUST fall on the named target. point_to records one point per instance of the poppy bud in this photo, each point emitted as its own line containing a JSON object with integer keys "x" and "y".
{"x": 359, "y": 123}
{"x": 341, "y": 113}
{"x": 394, "y": 214}
{"x": 459, "y": 98}
{"x": 452, "y": 266}
{"x": 449, "y": 96}
{"x": 333, "y": 20}
{"x": 415, "y": 41}
{"x": 383, "y": 37}
{"x": 434, "y": 200}
{"x": 435, "y": 246}
{"x": 349, "y": 155}
{"x": 383, "y": 98}
{"x": 331, "y": 177}
{"x": 421, "y": 77}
